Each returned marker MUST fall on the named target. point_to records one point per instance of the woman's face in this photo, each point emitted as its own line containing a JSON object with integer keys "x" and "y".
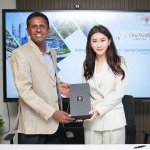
{"x": 99, "y": 43}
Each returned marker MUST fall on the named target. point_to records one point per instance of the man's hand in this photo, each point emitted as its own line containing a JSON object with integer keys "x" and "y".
{"x": 64, "y": 89}
{"x": 62, "y": 116}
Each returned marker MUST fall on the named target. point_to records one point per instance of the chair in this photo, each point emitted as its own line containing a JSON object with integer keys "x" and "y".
{"x": 130, "y": 128}
{"x": 10, "y": 137}
{"x": 146, "y": 136}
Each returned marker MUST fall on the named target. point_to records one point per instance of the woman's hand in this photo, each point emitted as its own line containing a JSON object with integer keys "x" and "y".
{"x": 94, "y": 113}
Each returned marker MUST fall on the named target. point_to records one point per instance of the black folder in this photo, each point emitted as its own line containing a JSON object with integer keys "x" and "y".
{"x": 80, "y": 104}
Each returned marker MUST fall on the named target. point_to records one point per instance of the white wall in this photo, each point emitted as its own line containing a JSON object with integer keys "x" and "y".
{"x": 6, "y": 4}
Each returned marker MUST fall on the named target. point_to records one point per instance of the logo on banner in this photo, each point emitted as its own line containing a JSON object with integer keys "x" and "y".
{"x": 145, "y": 20}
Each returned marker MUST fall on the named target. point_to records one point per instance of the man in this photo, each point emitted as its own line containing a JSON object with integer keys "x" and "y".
{"x": 34, "y": 69}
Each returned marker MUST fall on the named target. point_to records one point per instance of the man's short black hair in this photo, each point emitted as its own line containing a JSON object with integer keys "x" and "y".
{"x": 37, "y": 14}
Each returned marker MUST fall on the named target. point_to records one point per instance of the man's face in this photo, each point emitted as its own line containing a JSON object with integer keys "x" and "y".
{"x": 38, "y": 30}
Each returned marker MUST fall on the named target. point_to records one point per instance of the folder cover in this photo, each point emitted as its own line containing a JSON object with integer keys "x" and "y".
{"x": 80, "y": 104}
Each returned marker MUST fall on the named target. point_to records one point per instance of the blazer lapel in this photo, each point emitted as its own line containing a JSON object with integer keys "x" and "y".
{"x": 41, "y": 59}
{"x": 98, "y": 79}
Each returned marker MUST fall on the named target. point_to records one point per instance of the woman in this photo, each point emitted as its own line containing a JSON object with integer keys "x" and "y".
{"x": 105, "y": 71}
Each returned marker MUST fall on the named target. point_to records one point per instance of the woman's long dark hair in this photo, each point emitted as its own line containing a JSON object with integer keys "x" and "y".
{"x": 112, "y": 57}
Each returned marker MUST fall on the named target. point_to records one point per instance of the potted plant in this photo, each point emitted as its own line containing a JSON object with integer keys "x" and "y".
{"x": 1, "y": 123}
{"x": 1, "y": 127}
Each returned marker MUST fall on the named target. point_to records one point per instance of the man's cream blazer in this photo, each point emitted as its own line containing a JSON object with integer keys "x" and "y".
{"x": 36, "y": 86}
